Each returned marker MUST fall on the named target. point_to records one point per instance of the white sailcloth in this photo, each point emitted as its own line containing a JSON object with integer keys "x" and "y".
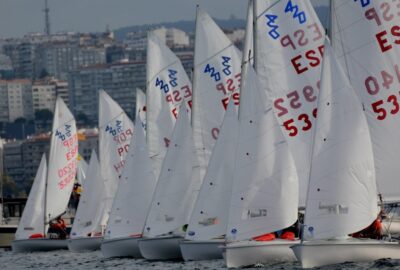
{"x": 210, "y": 213}
{"x": 62, "y": 161}
{"x": 365, "y": 38}
{"x": 115, "y": 133}
{"x": 288, "y": 53}
{"x": 32, "y": 218}
{"x": 81, "y": 170}
{"x": 135, "y": 190}
{"x": 177, "y": 187}
{"x": 265, "y": 183}
{"x": 217, "y": 73}
{"x": 141, "y": 109}
{"x": 167, "y": 87}
{"x": 342, "y": 196}
{"x": 90, "y": 212}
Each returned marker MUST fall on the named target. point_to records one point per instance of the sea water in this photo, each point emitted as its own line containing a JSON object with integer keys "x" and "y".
{"x": 65, "y": 259}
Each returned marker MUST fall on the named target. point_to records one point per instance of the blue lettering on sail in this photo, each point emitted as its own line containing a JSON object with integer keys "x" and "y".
{"x": 213, "y": 74}
{"x": 364, "y": 3}
{"x": 271, "y": 23}
{"x": 227, "y": 70}
{"x": 163, "y": 86}
{"x": 301, "y": 16}
{"x": 172, "y": 75}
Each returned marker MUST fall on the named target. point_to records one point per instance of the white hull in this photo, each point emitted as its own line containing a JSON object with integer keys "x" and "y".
{"x": 247, "y": 253}
{"x": 161, "y": 248}
{"x": 392, "y": 227}
{"x": 42, "y": 244}
{"x": 326, "y": 252}
{"x": 202, "y": 250}
{"x": 121, "y": 247}
{"x": 84, "y": 243}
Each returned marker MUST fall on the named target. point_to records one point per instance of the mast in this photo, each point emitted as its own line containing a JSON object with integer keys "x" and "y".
{"x": 195, "y": 76}
{"x": 1, "y": 181}
{"x": 255, "y": 34}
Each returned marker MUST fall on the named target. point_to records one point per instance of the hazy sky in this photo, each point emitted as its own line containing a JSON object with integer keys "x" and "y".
{"x": 18, "y": 17}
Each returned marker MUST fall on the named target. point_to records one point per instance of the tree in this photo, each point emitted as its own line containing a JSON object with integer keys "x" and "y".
{"x": 20, "y": 120}
{"x": 10, "y": 189}
{"x": 43, "y": 119}
{"x": 82, "y": 120}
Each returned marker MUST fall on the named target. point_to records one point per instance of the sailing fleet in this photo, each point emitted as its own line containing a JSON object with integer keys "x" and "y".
{"x": 295, "y": 121}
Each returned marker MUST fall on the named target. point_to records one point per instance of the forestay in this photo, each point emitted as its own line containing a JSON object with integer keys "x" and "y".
{"x": 177, "y": 186}
{"x": 141, "y": 109}
{"x": 33, "y": 216}
{"x": 210, "y": 214}
{"x": 342, "y": 195}
{"x": 365, "y": 37}
{"x": 81, "y": 170}
{"x": 167, "y": 87}
{"x": 265, "y": 184}
{"x": 62, "y": 161}
{"x": 217, "y": 72}
{"x": 90, "y": 211}
{"x": 288, "y": 53}
{"x": 135, "y": 190}
{"x": 115, "y": 133}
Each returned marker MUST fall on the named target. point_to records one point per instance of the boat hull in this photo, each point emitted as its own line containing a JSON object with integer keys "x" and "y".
{"x": 247, "y": 253}
{"x": 202, "y": 250}
{"x": 38, "y": 244}
{"x": 320, "y": 253}
{"x": 392, "y": 227}
{"x": 7, "y": 235}
{"x": 161, "y": 248}
{"x": 121, "y": 247}
{"x": 84, "y": 244}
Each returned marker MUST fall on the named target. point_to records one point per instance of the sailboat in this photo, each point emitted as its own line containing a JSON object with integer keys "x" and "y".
{"x": 86, "y": 232}
{"x": 51, "y": 195}
{"x": 265, "y": 185}
{"x": 174, "y": 196}
{"x": 216, "y": 81}
{"x": 209, "y": 219}
{"x": 132, "y": 200}
{"x": 363, "y": 37}
{"x": 342, "y": 195}
{"x": 81, "y": 170}
{"x": 168, "y": 86}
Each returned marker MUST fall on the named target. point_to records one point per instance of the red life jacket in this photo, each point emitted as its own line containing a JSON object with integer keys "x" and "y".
{"x": 288, "y": 235}
{"x": 265, "y": 237}
{"x": 36, "y": 235}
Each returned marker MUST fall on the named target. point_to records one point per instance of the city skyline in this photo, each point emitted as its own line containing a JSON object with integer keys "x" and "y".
{"x": 20, "y": 17}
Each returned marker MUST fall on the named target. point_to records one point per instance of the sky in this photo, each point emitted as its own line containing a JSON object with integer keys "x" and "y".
{"x": 18, "y": 17}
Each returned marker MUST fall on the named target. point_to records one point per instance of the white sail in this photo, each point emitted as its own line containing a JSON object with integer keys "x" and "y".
{"x": 141, "y": 109}
{"x": 210, "y": 213}
{"x": 217, "y": 72}
{"x": 62, "y": 161}
{"x": 342, "y": 196}
{"x": 135, "y": 190}
{"x": 32, "y": 218}
{"x": 365, "y": 38}
{"x": 288, "y": 53}
{"x": 248, "y": 48}
{"x": 176, "y": 187}
{"x": 167, "y": 87}
{"x": 265, "y": 184}
{"x": 89, "y": 213}
{"x": 115, "y": 133}
{"x": 81, "y": 170}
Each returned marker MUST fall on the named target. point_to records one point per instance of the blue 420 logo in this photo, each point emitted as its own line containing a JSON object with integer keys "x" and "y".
{"x": 66, "y": 134}
{"x": 216, "y": 75}
{"x": 114, "y": 130}
{"x": 165, "y": 85}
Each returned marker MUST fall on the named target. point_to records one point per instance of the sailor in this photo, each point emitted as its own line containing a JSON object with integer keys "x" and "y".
{"x": 59, "y": 227}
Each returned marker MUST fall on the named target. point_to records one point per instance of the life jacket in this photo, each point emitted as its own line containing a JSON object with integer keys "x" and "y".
{"x": 288, "y": 235}
{"x": 265, "y": 237}
{"x": 36, "y": 235}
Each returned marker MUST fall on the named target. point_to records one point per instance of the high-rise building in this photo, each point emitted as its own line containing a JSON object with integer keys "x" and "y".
{"x": 119, "y": 80}
{"x": 45, "y": 92}
{"x": 19, "y": 98}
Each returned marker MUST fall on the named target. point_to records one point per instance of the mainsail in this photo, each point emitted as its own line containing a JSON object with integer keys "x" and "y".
{"x": 115, "y": 132}
{"x": 167, "y": 87}
{"x": 62, "y": 162}
{"x": 288, "y": 52}
{"x": 365, "y": 38}
{"x": 141, "y": 110}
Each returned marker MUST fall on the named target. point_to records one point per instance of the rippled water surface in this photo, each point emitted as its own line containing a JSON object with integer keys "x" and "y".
{"x": 93, "y": 260}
